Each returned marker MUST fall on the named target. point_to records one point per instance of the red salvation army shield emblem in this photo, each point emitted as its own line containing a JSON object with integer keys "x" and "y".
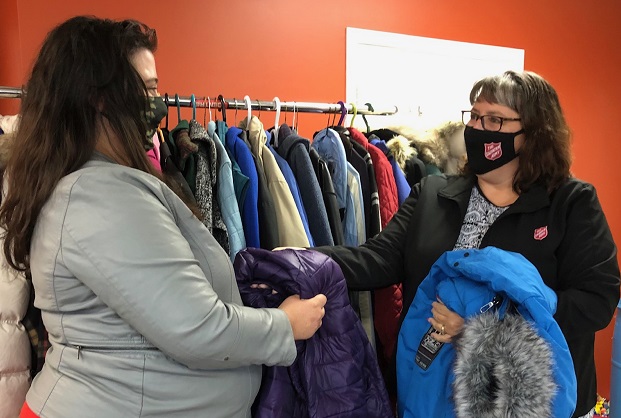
{"x": 493, "y": 151}
{"x": 541, "y": 233}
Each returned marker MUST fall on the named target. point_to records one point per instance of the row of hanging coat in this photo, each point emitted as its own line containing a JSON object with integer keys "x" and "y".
{"x": 279, "y": 181}
{"x": 268, "y": 188}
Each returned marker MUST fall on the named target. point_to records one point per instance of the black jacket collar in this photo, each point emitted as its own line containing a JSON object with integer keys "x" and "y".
{"x": 458, "y": 189}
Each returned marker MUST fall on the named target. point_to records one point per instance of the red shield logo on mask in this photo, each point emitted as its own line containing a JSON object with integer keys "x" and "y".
{"x": 541, "y": 233}
{"x": 493, "y": 151}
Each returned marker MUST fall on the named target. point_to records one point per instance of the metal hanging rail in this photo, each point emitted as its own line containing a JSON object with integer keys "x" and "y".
{"x": 239, "y": 104}
{"x": 10, "y": 92}
{"x": 290, "y": 106}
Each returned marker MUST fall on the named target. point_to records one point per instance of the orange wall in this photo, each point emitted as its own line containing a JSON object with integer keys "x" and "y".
{"x": 296, "y": 50}
{"x": 11, "y": 72}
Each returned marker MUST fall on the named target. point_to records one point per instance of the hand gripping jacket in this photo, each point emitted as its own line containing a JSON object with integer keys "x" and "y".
{"x": 335, "y": 373}
{"x": 511, "y": 359}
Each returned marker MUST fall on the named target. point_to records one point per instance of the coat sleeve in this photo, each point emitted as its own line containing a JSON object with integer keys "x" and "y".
{"x": 588, "y": 271}
{"x": 378, "y": 262}
{"x": 120, "y": 239}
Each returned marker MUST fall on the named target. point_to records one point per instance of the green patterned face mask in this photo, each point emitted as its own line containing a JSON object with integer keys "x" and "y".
{"x": 153, "y": 117}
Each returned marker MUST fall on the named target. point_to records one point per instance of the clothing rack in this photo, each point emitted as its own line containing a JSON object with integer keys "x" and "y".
{"x": 10, "y": 92}
{"x": 271, "y": 105}
{"x": 238, "y": 104}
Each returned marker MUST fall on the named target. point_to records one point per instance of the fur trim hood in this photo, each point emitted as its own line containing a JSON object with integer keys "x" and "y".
{"x": 401, "y": 150}
{"x": 430, "y": 149}
{"x": 442, "y": 146}
{"x": 503, "y": 369}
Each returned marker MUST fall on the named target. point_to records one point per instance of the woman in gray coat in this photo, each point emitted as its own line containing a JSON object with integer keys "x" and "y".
{"x": 140, "y": 302}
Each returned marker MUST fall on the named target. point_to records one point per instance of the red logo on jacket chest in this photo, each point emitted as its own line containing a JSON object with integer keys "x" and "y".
{"x": 493, "y": 151}
{"x": 541, "y": 233}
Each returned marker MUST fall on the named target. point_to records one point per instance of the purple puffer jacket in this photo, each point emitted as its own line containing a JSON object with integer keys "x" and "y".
{"x": 335, "y": 373}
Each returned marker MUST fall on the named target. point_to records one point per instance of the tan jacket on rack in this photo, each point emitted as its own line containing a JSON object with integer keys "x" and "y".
{"x": 290, "y": 227}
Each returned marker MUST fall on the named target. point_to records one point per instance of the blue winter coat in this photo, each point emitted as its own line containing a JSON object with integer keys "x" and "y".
{"x": 336, "y": 372}
{"x": 466, "y": 281}
{"x": 249, "y": 210}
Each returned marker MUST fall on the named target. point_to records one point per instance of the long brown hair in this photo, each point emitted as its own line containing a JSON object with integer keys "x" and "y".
{"x": 82, "y": 74}
{"x": 545, "y": 156}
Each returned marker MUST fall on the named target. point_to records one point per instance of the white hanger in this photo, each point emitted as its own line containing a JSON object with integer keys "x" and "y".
{"x": 249, "y": 107}
{"x": 277, "y": 121}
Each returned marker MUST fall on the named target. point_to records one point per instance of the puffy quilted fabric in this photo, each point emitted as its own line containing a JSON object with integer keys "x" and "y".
{"x": 336, "y": 372}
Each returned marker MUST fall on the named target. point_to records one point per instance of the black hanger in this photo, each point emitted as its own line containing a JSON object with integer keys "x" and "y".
{"x": 205, "y": 104}
{"x": 370, "y": 106}
{"x": 222, "y": 108}
{"x": 166, "y": 101}
{"x": 235, "y": 122}
{"x": 178, "y": 108}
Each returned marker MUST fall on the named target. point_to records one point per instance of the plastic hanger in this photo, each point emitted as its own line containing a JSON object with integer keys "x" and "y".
{"x": 370, "y": 106}
{"x": 343, "y": 113}
{"x": 351, "y": 124}
{"x": 178, "y": 108}
{"x": 166, "y": 101}
{"x": 193, "y": 101}
{"x": 249, "y": 107}
{"x": 276, "y": 120}
{"x": 222, "y": 108}
{"x": 259, "y": 107}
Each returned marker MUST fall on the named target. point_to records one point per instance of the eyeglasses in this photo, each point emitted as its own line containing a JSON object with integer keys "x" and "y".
{"x": 488, "y": 122}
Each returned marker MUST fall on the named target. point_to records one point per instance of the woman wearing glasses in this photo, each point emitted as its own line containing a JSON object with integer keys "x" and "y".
{"x": 515, "y": 193}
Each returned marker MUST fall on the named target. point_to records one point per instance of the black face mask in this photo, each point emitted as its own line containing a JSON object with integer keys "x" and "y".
{"x": 153, "y": 117}
{"x": 488, "y": 150}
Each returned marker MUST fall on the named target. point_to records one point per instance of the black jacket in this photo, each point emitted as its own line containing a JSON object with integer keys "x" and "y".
{"x": 565, "y": 235}
{"x": 329, "y": 196}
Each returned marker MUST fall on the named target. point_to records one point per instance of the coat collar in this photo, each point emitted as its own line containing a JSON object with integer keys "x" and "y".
{"x": 458, "y": 189}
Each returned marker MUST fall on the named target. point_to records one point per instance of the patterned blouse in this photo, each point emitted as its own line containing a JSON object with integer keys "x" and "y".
{"x": 480, "y": 215}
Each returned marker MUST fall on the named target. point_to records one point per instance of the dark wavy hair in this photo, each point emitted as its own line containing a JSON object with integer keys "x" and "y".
{"x": 545, "y": 156}
{"x": 83, "y": 73}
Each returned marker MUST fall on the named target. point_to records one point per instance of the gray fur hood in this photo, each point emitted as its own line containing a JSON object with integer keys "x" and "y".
{"x": 503, "y": 369}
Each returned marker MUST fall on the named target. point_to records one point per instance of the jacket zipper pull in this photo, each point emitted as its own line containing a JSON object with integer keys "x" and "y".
{"x": 483, "y": 309}
{"x": 79, "y": 349}
{"x": 489, "y": 305}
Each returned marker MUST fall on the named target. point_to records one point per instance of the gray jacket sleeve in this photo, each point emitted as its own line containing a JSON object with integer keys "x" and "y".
{"x": 142, "y": 252}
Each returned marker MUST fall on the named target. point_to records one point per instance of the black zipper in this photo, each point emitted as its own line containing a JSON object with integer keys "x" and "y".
{"x": 90, "y": 347}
